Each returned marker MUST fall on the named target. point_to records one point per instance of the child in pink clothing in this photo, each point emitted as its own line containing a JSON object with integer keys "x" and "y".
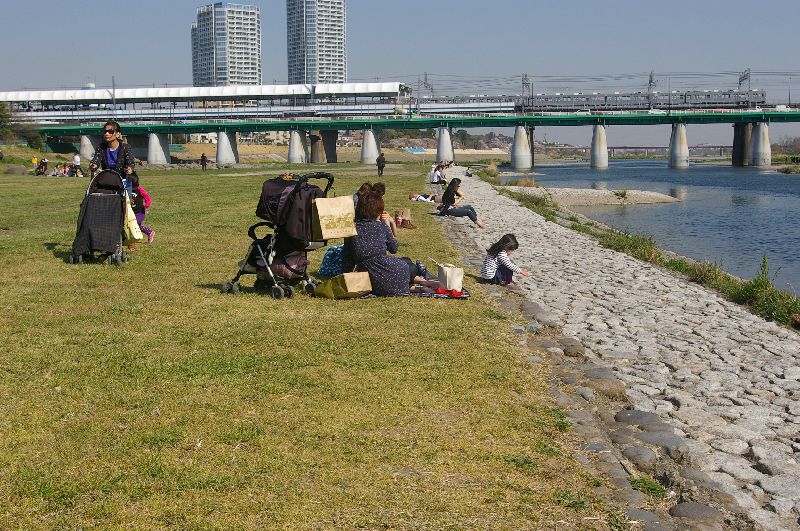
{"x": 141, "y": 201}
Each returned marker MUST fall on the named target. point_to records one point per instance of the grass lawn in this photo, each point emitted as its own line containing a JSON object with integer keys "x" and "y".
{"x": 140, "y": 396}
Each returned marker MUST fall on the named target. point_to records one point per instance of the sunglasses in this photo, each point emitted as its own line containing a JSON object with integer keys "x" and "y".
{"x": 109, "y": 131}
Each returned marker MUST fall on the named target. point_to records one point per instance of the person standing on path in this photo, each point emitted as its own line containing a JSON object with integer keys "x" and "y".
{"x": 35, "y": 162}
{"x": 381, "y": 162}
{"x": 203, "y": 161}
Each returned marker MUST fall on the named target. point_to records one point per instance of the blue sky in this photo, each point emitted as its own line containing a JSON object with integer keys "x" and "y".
{"x": 475, "y": 46}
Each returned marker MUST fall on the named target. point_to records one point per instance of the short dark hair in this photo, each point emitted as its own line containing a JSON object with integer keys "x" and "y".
{"x": 369, "y": 207}
{"x": 379, "y": 188}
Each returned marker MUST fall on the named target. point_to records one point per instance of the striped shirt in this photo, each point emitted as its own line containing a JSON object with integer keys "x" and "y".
{"x": 490, "y": 264}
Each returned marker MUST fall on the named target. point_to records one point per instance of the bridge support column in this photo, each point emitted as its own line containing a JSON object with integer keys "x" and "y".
{"x": 158, "y": 149}
{"x": 227, "y": 150}
{"x": 599, "y": 158}
{"x": 742, "y": 137}
{"x": 444, "y": 147}
{"x": 297, "y": 152}
{"x": 678, "y": 147}
{"x": 521, "y": 155}
{"x": 89, "y": 144}
{"x": 317, "y": 151}
{"x": 761, "y": 149}
{"x": 329, "y": 144}
{"x": 369, "y": 147}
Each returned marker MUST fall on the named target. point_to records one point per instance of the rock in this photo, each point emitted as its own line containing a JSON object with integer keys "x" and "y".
{"x": 641, "y": 456}
{"x": 784, "y": 486}
{"x": 555, "y": 351}
{"x": 548, "y": 319}
{"x": 637, "y": 515}
{"x": 572, "y": 347}
{"x": 610, "y": 388}
{"x": 792, "y": 373}
{"x": 519, "y": 330}
{"x": 534, "y": 326}
{"x": 781, "y": 506}
{"x": 586, "y": 393}
{"x": 696, "y": 511}
{"x": 635, "y": 417}
{"x": 730, "y": 446}
{"x": 622, "y": 436}
{"x": 595, "y": 447}
{"x": 674, "y": 446}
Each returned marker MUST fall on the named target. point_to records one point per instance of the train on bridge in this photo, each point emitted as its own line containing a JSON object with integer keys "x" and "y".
{"x": 254, "y": 102}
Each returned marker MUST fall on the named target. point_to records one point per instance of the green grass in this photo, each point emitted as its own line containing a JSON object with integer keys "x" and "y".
{"x": 139, "y": 396}
{"x": 649, "y": 486}
{"x": 542, "y": 205}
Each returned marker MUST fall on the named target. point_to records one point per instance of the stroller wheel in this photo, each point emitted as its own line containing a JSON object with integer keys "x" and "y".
{"x": 277, "y": 292}
{"x": 124, "y": 257}
{"x": 308, "y": 289}
{"x": 226, "y": 287}
{"x": 289, "y": 292}
{"x": 73, "y": 259}
{"x": 110, "y": 260}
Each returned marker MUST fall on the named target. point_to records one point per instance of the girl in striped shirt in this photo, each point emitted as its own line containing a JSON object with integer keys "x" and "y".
{"x": 497, "y": 266}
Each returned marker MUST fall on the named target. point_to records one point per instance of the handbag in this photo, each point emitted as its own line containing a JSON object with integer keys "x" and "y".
{"x": 133, "y": 234}
{"x": 333, "y": 217}
{"x": 450, "y": 276}
{"x": 345, "y": 286}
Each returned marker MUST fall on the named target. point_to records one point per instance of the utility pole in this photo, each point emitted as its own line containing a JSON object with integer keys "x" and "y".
{"x": 651, "y": 87}
{"x": 527, "y": 90}
{"x": 745, "y": 76}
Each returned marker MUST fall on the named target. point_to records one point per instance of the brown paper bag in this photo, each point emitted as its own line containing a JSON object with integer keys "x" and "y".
{"x": 333, "y": 217}
{"x": 345, "y": 286}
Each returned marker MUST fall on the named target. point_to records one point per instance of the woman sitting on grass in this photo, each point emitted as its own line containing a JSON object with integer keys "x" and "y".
{"x": 451, "y": 197}
{"x": 368, "y": 250}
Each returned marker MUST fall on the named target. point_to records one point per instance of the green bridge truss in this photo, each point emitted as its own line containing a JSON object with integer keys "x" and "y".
{"x": 462, "y": 122}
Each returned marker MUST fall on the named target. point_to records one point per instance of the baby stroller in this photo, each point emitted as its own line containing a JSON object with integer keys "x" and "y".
{"x": 279, "y": 260}
{"x": 100, "y": 222}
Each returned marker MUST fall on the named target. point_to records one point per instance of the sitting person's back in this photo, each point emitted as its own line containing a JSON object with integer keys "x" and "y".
{"x": 367, "y": 251}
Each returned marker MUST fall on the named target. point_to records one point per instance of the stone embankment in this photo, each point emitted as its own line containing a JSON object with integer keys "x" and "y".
{"x": 660, "y": 376}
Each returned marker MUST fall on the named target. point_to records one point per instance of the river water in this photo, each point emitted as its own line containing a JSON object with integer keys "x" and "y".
{"x": 731, "y": 216}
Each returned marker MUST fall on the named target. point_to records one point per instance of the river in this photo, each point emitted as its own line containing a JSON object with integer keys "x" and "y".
{"x": 731, "y": 216}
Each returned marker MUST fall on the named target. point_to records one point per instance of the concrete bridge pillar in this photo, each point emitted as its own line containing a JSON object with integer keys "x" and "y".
{"x": 444, "y": 147}
{"x": 521, "y": 154}
{"x": 317, "y": 148}
{"x": 761, "y": 148}
{"x": 158, "y": 149}
{"x": 678, "y": 147}
{"x": 297, "y": 152}
{"x": 329, "y": 144}
{"x": 599, "y": 156}
{"x": 742, "y": 137}
{"x": 369, "y": 147}
{"x": 227, "y": 150}
{"x": 88, "y": 146}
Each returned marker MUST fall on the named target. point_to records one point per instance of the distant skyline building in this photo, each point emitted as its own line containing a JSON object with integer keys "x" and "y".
{"x": 316, "y": 41}
{"x": 226, "y": 45}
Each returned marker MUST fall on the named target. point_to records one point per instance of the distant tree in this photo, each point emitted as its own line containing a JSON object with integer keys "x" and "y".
{"x": 6, "y": 134}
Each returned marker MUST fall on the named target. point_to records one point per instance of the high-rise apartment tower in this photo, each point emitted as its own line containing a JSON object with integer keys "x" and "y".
{"x": 226, "y": 45}
{"x": 316, "y": 39}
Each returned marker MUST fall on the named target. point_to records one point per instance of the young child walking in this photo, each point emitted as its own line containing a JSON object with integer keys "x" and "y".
{"x": 497, "y": 266}
{"x": 140, "y": 201}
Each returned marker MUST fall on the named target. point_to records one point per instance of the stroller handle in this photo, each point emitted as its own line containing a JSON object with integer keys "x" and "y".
{"x": 252, "y": 230}
{"x": 317, "y": 175}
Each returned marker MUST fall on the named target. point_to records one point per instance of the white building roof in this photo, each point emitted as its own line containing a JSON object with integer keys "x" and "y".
{"x": 233, "y": 92}
{"x": 122, "y": 95}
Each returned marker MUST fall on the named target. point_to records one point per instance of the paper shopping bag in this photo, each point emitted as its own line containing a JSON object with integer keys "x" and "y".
{"x": 451, "y": 277}
{"x": 333, "y": 217}
{"x": 345, "y": 286}
{"x": 133, "y": 234}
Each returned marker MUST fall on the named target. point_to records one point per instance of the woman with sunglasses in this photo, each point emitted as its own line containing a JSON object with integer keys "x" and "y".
{"x": 112, "y": 153}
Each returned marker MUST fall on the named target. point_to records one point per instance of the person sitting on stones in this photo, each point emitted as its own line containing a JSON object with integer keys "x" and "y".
{"x": 451, "y": 197}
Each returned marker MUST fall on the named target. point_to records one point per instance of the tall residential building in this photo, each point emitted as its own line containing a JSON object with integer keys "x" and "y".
{"x": 316, "y": 39}
{"x": 226, "y": 45}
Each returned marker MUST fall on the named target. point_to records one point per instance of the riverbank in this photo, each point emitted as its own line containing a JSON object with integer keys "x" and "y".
{"x": 726, "y": 383}
{"x": 588, "y": 197}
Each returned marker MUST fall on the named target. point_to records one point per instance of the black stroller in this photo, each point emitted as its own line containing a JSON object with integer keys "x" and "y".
{"x": 280, "y": 260}
{"x": 101, "y": 221}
